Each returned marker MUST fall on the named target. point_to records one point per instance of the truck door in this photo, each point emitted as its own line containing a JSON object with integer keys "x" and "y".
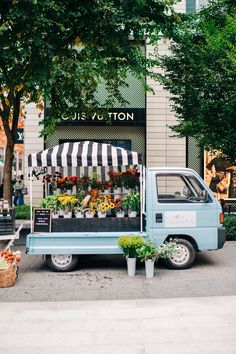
{"x": 181, "y": 206}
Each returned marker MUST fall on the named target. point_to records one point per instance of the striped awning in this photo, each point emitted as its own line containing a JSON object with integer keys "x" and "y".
{"x": 84, "y": 153}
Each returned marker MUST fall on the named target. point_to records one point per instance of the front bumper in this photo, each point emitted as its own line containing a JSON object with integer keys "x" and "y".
{"x": 221, "y": 237}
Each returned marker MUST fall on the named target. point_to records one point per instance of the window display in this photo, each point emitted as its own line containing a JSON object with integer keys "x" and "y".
{"x": 220, "y": 175}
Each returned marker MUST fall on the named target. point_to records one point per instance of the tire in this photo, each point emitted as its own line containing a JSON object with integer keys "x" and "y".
{"x": 184, "y": 256}
{"x": 62, "y": 262}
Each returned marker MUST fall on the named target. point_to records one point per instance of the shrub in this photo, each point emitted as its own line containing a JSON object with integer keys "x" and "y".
{"x": 230, "y": 227}
{"x": 22, "y": 212}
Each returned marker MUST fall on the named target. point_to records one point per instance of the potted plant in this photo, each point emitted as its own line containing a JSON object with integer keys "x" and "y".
{"x": 89, "y": 213}
{"x": 79, "y": 208}
{"x": 148, "y": 253}
{"x": 130, "y": 179}
{"x": 130, "y": 245}
{"x": 102, "y": 207}
{"x": 132, "y": 203}
{"x": 68, "y": 203}
{"x": 116, "y": 181}
{"x": 52, "y": 203}
{"x": 119, "y": 208}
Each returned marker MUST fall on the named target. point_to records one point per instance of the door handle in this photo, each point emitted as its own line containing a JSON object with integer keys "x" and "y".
{"x": 159, "y": 218}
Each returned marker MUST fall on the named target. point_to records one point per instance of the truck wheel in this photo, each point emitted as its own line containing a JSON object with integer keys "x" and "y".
{"x": 62, "y": 262}
{"x": 184, "y": 256}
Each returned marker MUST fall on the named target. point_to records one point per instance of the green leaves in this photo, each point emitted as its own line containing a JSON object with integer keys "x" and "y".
{"x": 201, "y": 76}
{"x": 130, "y": 245}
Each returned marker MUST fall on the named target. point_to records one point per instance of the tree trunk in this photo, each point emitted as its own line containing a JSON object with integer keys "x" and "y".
{"x": 7, "y": 186}
{"x": 11, "y": 132}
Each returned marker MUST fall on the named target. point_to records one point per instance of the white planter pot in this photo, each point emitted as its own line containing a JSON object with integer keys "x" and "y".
{"x": 126, "y": 190}
{"x": 102, "y": 214}
{"x": 79, "y": 215}
{"x": 149, "y": 268}
{"x": 68, "y": 215}
{"x": 89, "y": 215}
{"x": 120, "y": 214}
{"x": 117, "y": 192}
{"x": 57, "y": 191}
{"x": 55, "y": 215}
{"x": 132, "y": 214}
{"x": 131, "y": 266}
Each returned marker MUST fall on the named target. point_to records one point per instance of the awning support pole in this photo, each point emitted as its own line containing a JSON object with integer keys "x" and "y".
{"x": 144, "y": 190}
{"x": 31, "y": 201}
{"x": 141, "y": 197}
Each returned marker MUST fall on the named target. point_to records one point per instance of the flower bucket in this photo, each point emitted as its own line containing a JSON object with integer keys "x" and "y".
{"x": 132, "y": 214}
{"x": 89, "y": 215}
{"x": 102, "y": 214}
{"x": 149, "y": 268}
{"x": 131, "y": 266}
{"x": 117, "y": 192}
{"x": 126, "y": 190}
{"x": 120, "y": 214}
{"x": 57, "y": 191}
{"x": 69, "y": 192}
{"x": 68, "y": 215}
{"x": 55, "y": 215}
{"x": 79, "y": 215}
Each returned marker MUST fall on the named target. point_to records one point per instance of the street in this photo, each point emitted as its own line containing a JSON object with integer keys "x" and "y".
{"x": 105, "y": 278}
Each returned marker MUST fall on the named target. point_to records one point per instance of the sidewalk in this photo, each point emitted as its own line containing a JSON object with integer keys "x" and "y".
{"x": 164, "y": 326}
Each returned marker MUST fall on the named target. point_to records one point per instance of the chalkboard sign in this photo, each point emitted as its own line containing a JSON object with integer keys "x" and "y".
{"x": 42, "y": 220}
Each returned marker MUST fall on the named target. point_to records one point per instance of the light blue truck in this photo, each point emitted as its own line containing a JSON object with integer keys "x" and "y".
{"x": 175, "y": 203}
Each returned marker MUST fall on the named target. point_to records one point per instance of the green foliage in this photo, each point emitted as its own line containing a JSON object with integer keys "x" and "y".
{"x": 149, "y": 250}
{"x": 130, "y": 245}
{"x": 200, "y": 74}
{"x": 167, "y": 249}
{"x": 132, "y": 201}
{"x": 50, "y": 202}
{"x": 60, "y": 52}
{"x": 22, "y": 212}
{"x": 230, "y": 227}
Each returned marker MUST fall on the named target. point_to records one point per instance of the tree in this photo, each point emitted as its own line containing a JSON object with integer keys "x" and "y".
{"x": 200, "y": 74}
{"x": 60, "y": 51}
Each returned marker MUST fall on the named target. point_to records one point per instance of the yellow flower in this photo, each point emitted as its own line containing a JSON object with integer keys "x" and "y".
{"x": 112, "y": 205}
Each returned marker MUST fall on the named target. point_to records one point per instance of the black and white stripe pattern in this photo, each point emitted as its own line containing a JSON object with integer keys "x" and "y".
{"x": 85, "y": 153}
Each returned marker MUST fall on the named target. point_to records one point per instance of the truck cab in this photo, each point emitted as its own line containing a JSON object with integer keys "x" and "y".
{"x": 180, "y": 206}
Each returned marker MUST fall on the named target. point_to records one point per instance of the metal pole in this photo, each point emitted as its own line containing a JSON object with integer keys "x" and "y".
{"x": 144, "y": 189}
{"x": 141, "y": 198}
{"x": 31, "y": 202}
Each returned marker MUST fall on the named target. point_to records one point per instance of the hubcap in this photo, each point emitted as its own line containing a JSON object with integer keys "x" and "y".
{"x": 181, "y": 255}
{"x": 61, "y": 260}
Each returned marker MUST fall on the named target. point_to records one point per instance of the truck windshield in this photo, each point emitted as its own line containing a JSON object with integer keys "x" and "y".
{"x": 179, "y": 189}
